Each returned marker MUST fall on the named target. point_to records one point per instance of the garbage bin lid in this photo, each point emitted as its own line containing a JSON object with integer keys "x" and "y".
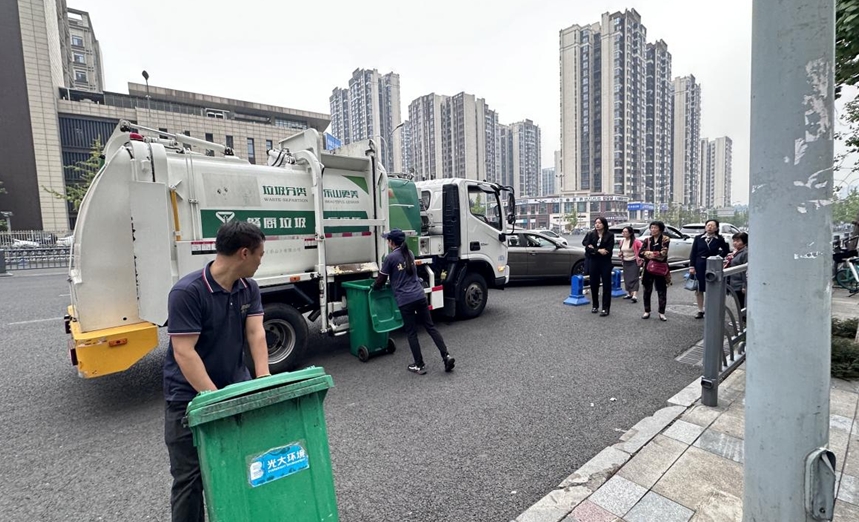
{"x": 233, "y": 391}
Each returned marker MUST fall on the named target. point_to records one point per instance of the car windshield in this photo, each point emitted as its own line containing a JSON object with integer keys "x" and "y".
{"x": 692, "y": 229}
{"x": 539, "y": 242}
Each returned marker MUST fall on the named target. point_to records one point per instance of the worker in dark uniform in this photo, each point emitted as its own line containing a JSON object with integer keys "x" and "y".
{"x": 211, "y": 313}
{"x": 409, "y": 293}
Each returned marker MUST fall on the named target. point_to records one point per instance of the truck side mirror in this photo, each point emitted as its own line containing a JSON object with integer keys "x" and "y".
{"x": 511, "y": 218}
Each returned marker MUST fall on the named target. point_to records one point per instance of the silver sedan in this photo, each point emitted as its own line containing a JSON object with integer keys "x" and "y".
{"x": 534, "y": 256}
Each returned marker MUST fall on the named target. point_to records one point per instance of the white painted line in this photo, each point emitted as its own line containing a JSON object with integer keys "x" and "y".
{"x": 37, "y": 321}
{"x": 64, "y": 295}
{"x": 17, "y": 273}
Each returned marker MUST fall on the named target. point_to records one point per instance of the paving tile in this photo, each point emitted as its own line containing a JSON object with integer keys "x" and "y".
{"x": 721, "y": 444}
{"x": 688, "y": 395}
{"x": 590, "y": 512}
{"x": 850, "y": 465}
{"x": 841, "y": 384}
{"x": 720, "y": 507}
{"x": 732, "y": 423}
{"x": 699, "y": 474}
{"x": 554, "y": 506}
{"x": 848, "y": 491}
{"x": 842, "y": 403}
{"x": 839, "y": 422}
{"x": 653, "y": 460}
{"x": 737, "y": 381}
{"x": 685, "y": 432}
{"x": 845, "y": 512}
{"x": 656, "y": 507}
{"x": 728, "y": 395}
{"x": 702, "y": 415}
{"x": 618, "y": 495}
{"x": 597, "y": 470}
{"x": 838, "y": 442}
{"x": 647, "y": 428}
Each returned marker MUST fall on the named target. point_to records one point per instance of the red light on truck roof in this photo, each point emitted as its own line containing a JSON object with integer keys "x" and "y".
{"x": 135, "y": 136}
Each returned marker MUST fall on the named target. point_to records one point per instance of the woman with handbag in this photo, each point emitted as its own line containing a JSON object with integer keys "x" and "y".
{"x": 629, "y": 248}
{"x": 708, "y": 244}
{"x": 598, "y": 246}
{"x": 654, "y": 255}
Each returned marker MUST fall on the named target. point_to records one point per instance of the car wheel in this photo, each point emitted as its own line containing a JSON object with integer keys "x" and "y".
{"x": 578, "y": 268}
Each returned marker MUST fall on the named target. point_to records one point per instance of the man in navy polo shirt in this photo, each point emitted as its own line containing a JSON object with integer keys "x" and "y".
{"x": 211, "y": 313}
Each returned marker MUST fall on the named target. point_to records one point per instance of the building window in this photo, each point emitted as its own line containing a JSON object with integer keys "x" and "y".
{"x": 162, "y": 136}
{"x": 251, "y": 155}
{"x": 79, "y": 58}
{"x": 80, "y": 76}
{"x": 187, "y": 133}
{"x": 230, "y": 142}
{"x": 268, "y": 145}
{"x": 77, "y": 41}
{"x": 210, "y": 138}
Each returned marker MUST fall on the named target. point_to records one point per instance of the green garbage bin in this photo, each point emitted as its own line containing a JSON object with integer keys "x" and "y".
{"x": 263, "y": 449}
{"x": 372, "y": 314}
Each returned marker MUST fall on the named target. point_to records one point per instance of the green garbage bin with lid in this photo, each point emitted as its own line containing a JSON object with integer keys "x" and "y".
{"x": 263, "y": 448}
{"x": 372, "y": 314}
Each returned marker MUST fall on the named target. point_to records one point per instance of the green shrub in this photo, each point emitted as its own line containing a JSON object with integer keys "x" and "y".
{"x": 845, "y": 358}
{"x": 845, "y": 328}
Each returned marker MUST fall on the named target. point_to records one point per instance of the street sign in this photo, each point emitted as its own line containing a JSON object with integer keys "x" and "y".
{"x": 331, "y": 142}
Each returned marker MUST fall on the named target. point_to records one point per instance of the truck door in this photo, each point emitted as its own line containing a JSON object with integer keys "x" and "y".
{"x": 484, "y": 222}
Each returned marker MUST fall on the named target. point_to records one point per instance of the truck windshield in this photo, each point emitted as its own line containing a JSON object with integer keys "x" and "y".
{"x": 485, "y": 206}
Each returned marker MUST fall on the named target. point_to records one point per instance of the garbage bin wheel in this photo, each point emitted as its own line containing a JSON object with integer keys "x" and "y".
{"x": 392, "y": 346}
{"x": 286, "y": 336}
{"x": 363, "y": 354}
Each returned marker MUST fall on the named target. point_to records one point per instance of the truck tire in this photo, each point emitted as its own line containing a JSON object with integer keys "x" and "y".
{"x": 286, "y": 336}
{"x": 472, "y": 296}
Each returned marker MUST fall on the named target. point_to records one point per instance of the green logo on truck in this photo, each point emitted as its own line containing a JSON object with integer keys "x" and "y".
{"x": 280, "y": 222}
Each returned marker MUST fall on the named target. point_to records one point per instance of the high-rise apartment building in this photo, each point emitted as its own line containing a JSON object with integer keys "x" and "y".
{"x": 685, "y": 187}
{"x": 83, "y": 61}
{"x": 371, "y": 110}
{"x": 468, "y": 133}
{"x": 547, "y": 182}
{"x": 526, "y": 158}
{"x": 716, "y": 162}
{"x": 407, "y": 166}
{"x": 505, "y": 155}
{"x": 428, "y": 117}
{"x": 660, "y": 105}
{"x": 603, "y": 105}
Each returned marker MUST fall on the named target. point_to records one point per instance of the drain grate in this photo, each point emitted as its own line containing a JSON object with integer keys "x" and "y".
{"x": 694, "y": 356}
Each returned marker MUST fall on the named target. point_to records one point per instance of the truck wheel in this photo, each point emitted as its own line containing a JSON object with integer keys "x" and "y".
{"x": 286, "y": 336}
{"x": 472, "y": 296}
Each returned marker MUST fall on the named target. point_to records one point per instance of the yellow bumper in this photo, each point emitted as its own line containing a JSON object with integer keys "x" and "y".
{"x": 112, "y": 350}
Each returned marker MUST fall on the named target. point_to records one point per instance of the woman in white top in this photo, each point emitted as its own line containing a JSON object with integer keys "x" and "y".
{"x": 629, "y": 247}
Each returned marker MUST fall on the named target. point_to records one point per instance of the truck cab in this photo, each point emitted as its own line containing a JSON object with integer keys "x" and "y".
{"x": 465, "y": 232}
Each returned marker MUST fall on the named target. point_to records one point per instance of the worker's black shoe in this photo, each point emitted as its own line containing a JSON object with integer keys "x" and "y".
{"x": 420, "y": 370}
{"x": 449, "y": 363}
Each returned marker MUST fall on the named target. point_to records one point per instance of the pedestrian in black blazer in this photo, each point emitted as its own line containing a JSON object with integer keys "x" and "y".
{"x": 710, "y": 243}
{"x": 598, "y": 247}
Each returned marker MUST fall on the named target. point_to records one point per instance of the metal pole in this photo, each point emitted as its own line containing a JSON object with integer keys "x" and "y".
{"x": 714, "y": 335}
{"x": 788, "y": 358}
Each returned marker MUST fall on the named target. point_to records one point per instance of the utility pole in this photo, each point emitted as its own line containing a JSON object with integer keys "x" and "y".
{"x": 788, "y": 357}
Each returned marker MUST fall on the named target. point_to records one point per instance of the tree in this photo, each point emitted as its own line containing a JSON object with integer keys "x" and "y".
{"x": 571, "y": 219}
{"x": 85, "y": 172}
{"x": 846, "y": 44}
{"x": 846, "y": 209}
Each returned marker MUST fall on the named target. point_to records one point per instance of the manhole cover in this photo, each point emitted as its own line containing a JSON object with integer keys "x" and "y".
{"x": 682, "y": 309}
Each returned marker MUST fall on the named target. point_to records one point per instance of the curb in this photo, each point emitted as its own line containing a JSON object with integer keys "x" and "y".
{"x": 576, "y": 488}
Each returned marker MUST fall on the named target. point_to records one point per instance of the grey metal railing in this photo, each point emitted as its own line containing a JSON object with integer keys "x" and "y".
{"x": 724, "y": 329}
{"x": 35, "y": 258}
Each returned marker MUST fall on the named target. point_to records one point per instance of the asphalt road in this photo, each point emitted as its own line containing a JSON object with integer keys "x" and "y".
{"x": 529, "y": 402}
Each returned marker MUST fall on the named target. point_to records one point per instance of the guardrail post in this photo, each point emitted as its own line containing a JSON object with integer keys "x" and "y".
{"x": 577, "y": 294}
{"x": 616, "y": 289}
{"x": 3, "y": 272}
{"x": 714, "y": 335}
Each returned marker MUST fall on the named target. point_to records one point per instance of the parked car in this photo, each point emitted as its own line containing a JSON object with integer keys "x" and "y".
{"x": 22, "y": 243}
{"x": 534, "y": 256}
{"x": 727, "y": 230}
{"x": 678, "y": 253}
{"x": 553, "y": 235}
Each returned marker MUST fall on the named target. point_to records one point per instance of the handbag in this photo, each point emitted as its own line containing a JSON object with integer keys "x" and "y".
{"x": 691, "y": 284}
{"x": 657, "y": 268}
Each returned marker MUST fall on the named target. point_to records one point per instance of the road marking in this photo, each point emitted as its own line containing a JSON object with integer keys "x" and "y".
{"x": 36, "y": 321}
{"x": 64, "y": 295}
{"x": 43, "y": 274}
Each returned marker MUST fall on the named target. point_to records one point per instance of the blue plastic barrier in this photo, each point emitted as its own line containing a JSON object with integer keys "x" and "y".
{"x": 577, "y": 295}
{"x": 616, "y": 290}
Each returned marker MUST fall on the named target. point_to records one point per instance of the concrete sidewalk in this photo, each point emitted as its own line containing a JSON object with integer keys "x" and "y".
{"x": 686, "y": 461}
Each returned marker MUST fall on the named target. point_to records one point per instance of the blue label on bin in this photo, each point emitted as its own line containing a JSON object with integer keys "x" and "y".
{"x": 277, "y": 463}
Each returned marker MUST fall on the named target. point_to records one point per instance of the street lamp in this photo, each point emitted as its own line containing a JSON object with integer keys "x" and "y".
{"x": 146, "y": 78}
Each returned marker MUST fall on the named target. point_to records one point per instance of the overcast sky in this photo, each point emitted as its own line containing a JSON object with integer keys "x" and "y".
{"x": 293, "y": 54}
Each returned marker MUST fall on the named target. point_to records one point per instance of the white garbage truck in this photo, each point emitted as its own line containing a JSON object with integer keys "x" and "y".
{"x": 152, "y": 213}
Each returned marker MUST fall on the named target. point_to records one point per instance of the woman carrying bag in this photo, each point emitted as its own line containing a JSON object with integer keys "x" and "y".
{"x": 654, "y": 255}
{"x": 708, "y": 244}
{"x": 629, "y": 248}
